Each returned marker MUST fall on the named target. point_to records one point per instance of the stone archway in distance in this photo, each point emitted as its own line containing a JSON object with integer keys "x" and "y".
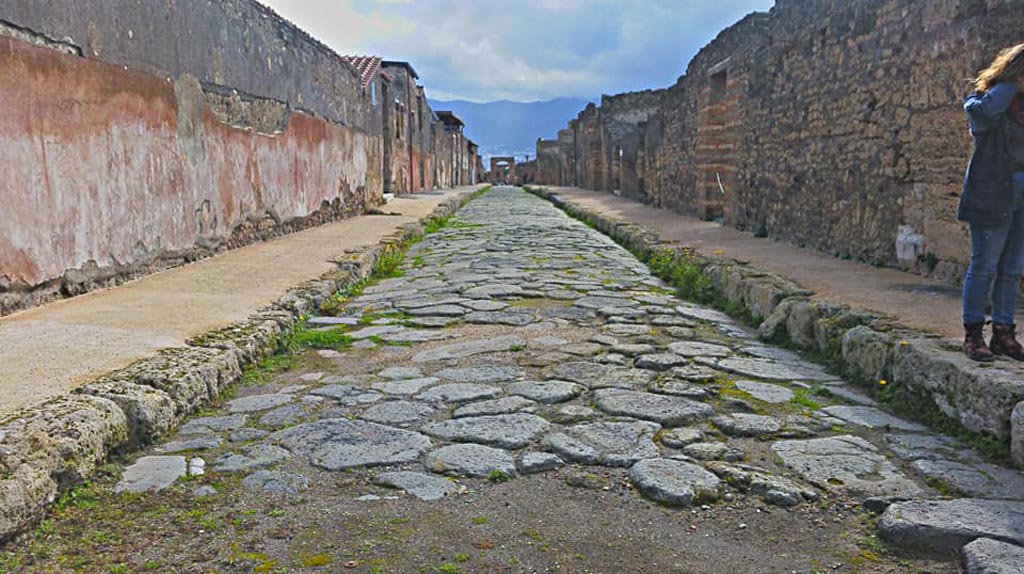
{"x": 497, "y": 163}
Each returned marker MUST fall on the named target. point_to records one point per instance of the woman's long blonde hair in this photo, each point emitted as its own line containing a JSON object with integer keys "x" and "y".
{"x": 1007, "y": 67}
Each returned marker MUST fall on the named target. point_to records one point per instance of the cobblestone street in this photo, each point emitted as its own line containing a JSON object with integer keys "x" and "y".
{"x": 524, "y": 396}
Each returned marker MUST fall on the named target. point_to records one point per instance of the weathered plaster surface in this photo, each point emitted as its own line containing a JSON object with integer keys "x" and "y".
{"x": 118, "y": 168}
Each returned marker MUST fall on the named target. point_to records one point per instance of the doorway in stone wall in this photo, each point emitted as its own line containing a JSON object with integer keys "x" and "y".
{"x": 388, "y": 134}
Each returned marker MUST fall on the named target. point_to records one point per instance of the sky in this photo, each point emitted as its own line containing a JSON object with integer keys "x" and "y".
{"x": 524, "y": 50}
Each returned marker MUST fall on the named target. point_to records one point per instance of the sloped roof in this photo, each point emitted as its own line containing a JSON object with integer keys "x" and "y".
{"x": 449, "y": 118}
{"x": 365, "y": 67}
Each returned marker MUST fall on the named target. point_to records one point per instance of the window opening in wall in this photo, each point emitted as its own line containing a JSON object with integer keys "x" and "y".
{"x": 718, "y": 82}
{"x": 399, "y": 121}
{"x": 373, "y": 95}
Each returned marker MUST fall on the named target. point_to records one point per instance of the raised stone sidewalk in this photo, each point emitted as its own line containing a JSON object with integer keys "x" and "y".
{"x": 874, "y": 324}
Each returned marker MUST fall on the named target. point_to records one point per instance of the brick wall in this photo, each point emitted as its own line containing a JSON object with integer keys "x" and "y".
{"x": 830, "y": 124}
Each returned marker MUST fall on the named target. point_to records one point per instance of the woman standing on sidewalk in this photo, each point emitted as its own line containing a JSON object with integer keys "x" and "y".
{"x": 993, "y": 204}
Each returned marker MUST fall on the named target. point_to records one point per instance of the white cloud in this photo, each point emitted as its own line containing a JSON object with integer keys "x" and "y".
{"x": 524, "y": 50}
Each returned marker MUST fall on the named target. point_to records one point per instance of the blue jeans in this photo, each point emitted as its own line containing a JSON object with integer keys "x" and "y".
{"x": 997, "y": 260}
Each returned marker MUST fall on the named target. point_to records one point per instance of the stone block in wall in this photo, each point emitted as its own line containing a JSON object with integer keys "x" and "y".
{"x": 49, "y": 447}
{"x": 25, "y": 493}
{"x": 813, "y": 325}
{"x": 793, "y": 320}
{"x": 249, "y": 340}
{"x": 191, "y": 376}
{"x": 980, "y": 398}
{"x": 758, "y": 291}
{"x": 150, "y": 412}
{"x": 867, "y": 354}
{"x": 76, "y": 431}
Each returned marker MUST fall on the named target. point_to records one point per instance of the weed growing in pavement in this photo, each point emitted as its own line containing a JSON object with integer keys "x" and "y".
{"x": 682, "y": 269}
{"x": 336, "y": 339}
{"x": 801, "y": 397}
{"x": 263, "y": 371}
{"x": 392, "y": 318}
{"x": 821, "y": 391}
{"x": 497, "y": 475}
{"x": 82, "y": 496}
{"x": 390, "y": 262}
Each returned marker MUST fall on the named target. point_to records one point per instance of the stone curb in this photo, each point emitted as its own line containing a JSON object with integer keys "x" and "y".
{"x": 986, "y": 399}
{"x": 47, "y": 449}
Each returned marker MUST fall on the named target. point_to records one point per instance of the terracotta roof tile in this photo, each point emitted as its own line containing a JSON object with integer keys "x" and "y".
{"x": 365, "y": 66}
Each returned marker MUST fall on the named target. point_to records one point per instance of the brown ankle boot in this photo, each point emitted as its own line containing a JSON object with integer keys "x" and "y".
{"x": 974, "y": 343}
{"x": 1004, "y": 342}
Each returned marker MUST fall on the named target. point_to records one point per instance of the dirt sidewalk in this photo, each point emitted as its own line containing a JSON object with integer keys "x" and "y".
{"x": 914, "y": 301}
{"x": 52, "y": 349}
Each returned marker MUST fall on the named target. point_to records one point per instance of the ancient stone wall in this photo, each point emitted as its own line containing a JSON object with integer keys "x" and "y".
{"x": 831, "y": 124}
{"x": 549, "y": 162}
{"x": 237, "y": 43}
{"x": 623, "y": 124}
{"x": 141, "y": 135}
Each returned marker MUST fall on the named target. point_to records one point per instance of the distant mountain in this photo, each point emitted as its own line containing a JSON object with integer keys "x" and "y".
{"x": 512, "y": 128}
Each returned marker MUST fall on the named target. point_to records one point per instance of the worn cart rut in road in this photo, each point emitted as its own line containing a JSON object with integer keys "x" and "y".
{"x": 524, "y": 396}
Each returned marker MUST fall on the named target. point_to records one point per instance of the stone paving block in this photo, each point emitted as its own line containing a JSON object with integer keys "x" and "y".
{"x": 987, "y": 556}
{"x": 481, "y": 374}
{"x": 547, "y": 392}
{"x": 404, "y": 386}
{"x": 665, "y": 410}
{"x": 422, "y": 486}
{"x": 510, "y": 431}
{"x": 473, "y": 460}
{"x": 277, "y": 482}
{"x": 846, "y": 463}
{"x": 257, "y": 403}
{"x": 397, "y": 413}
{"x": 674, "y": 482}
{"x": 973, "y": 479}
{"x": 456, "y": 393}
{"x": 767, "y": 392}
{"x": 534, "y": 462}
{"x": 502, "y": 406}
{"x": 470, "y": 348}
{"x": 746, "y": 424}
{"x": 871, "y": 418}
{"x": 337, "y": 444}
{"x": 152, "y": 473}
{"x": 252, "y": 457}
{"x": 945, "y": 524}
{"x": 606, "y": 443}
{"x": 767, "y": 369}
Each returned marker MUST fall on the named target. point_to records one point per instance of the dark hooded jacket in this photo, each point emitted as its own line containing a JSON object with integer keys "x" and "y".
{"x": 987, "y": 199}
